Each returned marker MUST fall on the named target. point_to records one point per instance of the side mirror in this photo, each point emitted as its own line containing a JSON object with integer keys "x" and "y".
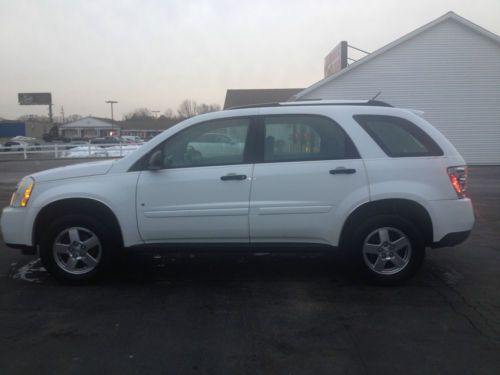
{"x": 155, "y": 161}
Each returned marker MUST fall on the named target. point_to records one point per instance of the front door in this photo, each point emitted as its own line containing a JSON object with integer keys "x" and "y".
{"x": 202, "y": 193}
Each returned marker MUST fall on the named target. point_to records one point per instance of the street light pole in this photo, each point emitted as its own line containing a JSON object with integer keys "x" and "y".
{"x": 111, "y": 102}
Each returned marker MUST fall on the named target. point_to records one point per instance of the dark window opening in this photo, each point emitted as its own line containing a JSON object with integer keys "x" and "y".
{"x": 398, "y": 137}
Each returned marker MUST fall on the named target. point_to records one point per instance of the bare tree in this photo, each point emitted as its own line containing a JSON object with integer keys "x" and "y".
{"x": 33, "y": 118}
{"x": 168, "y": 113}
{"x": 190, "y": 108}
{"x": 139, "y": 114}
{"x": 72, "y": 118}
{"x": 206, "y": 108}
{"x": 187, "y": 108}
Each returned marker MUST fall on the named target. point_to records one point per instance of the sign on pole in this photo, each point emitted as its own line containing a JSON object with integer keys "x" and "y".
{"x": 336, "y": 60}
{"x": 39, "y": 98}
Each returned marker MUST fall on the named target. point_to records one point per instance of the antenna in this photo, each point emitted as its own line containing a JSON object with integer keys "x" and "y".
{"x": 376, "y": 96}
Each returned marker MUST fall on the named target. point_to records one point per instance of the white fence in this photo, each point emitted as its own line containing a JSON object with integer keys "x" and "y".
{"x": 66, "y": 150}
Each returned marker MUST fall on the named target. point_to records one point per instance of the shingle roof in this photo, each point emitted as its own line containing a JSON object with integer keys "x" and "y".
{"x": 88, "y": 122}
{"x": 235, "y": 98}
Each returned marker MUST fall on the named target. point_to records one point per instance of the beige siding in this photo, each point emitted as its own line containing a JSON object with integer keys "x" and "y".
{"x": 449, "y": 71}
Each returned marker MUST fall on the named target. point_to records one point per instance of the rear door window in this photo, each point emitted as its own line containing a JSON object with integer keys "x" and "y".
{"x": 398, "y": 137}
{"x": 305, "y": 137}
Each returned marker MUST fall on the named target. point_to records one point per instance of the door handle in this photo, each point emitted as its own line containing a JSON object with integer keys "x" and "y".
{"x": 233, "y": 176}
{"x": 342, "y": 170}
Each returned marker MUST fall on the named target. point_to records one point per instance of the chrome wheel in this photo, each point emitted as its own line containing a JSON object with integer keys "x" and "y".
{"x": 77, "y": 250}
{"x": 387, "y": 251}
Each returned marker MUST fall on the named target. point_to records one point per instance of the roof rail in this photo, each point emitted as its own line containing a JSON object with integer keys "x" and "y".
{"x": 311, "y": 102}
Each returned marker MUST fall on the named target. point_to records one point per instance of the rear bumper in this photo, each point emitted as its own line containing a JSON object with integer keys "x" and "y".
{"x": 452, "y": 239}
{"x": 450, "y": 218}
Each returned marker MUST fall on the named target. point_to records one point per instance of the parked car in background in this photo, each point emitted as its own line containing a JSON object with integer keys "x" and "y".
{"x": 121, "y": 150}
{"x": 96, "y": 151}
{"x": 131, "y": 139}
{"x": 14, "y": 146}
{"x": 85, "y": 151}
{"x": 21, "y": 143}
{"x": 104, "y": 140}
{"x": 210, "y": 145}
{"x": 379, "y": 183}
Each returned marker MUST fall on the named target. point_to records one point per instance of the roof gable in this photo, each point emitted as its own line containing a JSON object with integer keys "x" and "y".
{"x": 448, "y": 16}
{"x": 88, "y": 122}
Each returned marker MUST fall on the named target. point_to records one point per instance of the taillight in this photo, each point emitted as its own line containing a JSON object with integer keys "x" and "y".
{"x": 458, "y": 179}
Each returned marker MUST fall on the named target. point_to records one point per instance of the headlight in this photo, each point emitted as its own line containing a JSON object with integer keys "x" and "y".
{"x": 22, "y": 195}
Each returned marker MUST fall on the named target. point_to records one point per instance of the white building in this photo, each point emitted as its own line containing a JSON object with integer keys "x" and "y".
{"x": 92, "y": 127}
{"x": 449, "y": 68}
{"x": 88, "y": 127}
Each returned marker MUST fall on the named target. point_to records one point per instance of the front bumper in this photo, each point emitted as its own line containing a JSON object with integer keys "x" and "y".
{"x": 14, "y": 227}
{"x": 26, "y": 250}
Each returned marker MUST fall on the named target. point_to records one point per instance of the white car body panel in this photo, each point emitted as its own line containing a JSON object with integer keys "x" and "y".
{"x": 72, "y": 171}
{"x": 299, "y": 201}
{"x": 278, "y": 202}
{"x": 112, "y": 190}
{"x": 194, "y": 204}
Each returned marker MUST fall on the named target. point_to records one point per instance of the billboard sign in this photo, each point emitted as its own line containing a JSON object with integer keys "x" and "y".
{"x": 39, "y": 98}
{"x": 336, "y": 60}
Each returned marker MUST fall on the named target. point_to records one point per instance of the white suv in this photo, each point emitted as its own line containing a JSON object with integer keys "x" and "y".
{"x": 378, "y": 182}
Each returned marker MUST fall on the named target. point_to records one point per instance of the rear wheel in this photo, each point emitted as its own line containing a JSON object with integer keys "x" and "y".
{"x": 389, "y": 249}
{"x": 76, "y": 248}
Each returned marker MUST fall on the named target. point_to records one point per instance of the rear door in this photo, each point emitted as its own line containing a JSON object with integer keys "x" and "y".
{"x": 309, "y": 174}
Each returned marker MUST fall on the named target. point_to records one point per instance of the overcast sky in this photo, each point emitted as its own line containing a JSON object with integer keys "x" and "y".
{"x": 155, "y": 53}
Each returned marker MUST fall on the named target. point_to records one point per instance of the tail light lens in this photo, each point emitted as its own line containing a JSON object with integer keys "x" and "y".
{"x": 458, "y": 179}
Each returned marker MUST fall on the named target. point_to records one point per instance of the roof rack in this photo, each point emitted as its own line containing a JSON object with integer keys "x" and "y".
{"x": 311, "y": 102}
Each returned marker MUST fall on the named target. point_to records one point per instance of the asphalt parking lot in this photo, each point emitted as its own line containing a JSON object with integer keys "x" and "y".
{"x": 257, "y": 313}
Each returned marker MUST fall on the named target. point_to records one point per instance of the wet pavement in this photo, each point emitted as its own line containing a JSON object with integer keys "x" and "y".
{"x": 235, "y": 313}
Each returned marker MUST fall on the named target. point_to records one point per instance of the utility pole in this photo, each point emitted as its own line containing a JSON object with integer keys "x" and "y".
{"x": 111, "y": 102}
{"x": 62, "y": 113}
{"x": 50, "y": 111}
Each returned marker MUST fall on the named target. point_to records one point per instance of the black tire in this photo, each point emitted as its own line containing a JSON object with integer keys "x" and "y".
{"x": 388, "y": 262}
{"x": 64, "y": 230}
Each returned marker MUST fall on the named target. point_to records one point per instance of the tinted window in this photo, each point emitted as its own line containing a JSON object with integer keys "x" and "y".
{"x": 301, "y": 137}
{"x": 398, "y": 137}
{"x": 217, "y": 142}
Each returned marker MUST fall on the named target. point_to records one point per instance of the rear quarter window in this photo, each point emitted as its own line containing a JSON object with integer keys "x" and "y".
{"x": 398, "y": 137}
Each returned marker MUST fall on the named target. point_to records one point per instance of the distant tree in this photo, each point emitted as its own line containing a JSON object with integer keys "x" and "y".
{"x": 139, "y": 114}
{"x": 72, "y": 118}
{"x": 33, "y": 118}
{"x": 187, "y": 108}
{"x": 168, "y": 113}
{"x": 206, "y": 108}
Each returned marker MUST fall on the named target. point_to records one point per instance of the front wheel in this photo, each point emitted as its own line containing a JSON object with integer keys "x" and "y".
{"x": 75, "y": 249}
{"x": 389, "y": 249}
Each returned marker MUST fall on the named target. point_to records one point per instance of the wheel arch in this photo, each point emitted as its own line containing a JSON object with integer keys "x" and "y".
{"x": 406, "y": 208}
{"x": 88, "y": 206}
